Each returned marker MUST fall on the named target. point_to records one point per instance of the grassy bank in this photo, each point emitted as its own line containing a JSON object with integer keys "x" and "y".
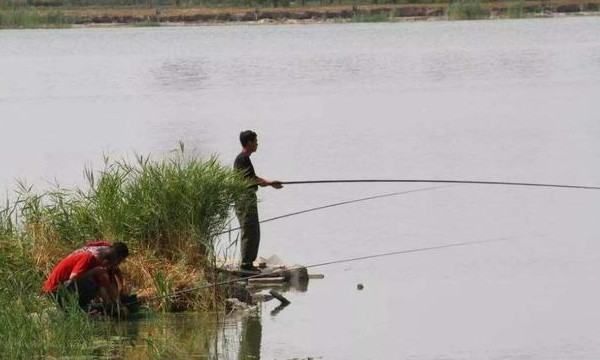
{"x": 31, "y": 326}
{"x": 31, "y": 17}
{"x": 466, "y": 10}
{"x": 61, "y": 13}
{"x": 168, "y": 212}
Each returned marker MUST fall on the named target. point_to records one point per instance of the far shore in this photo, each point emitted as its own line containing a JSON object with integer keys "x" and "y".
{"x": 90, "y": 16}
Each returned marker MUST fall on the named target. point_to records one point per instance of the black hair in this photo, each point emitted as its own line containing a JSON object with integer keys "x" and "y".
{"x": 120, "y": 250}
{"x": 246, "y": 136}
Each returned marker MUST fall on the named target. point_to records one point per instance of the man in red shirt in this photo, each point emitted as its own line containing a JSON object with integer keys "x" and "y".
{"x": 114, "y": 273}
{"x": 86, "y": 274}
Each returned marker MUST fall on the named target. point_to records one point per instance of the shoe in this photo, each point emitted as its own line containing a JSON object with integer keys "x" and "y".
{"x": 249, "y": 268}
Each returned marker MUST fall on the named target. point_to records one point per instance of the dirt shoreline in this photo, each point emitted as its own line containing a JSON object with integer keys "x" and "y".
{"x": 178, "y": 16}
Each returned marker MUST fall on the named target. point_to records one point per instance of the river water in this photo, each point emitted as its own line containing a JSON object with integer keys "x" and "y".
{"x": 487, "y": 100}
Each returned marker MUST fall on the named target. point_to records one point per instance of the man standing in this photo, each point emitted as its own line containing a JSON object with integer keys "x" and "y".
{"x": 247, "y": 213}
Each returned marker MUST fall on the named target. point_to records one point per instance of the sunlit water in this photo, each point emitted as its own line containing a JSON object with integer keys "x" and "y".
{"x": 489, "y": 100}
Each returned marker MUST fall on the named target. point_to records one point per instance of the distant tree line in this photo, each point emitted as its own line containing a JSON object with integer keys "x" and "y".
{"x": 210, "y": 3}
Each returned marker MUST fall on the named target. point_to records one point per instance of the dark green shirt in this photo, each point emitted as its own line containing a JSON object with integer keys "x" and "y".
{"x": 243, "y": 164}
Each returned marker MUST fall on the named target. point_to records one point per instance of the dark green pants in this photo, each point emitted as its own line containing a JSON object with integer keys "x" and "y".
{"x": 84, "y": 291}
{"x": 247, "y": 215}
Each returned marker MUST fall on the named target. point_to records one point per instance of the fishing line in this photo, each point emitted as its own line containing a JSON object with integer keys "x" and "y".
{"x": 331, "y": 262}
{"x": 433, "y": 181}
{"x": 480, "y": 182}
{"x": 339, "y": 181}
{"x": 339, "y": 204}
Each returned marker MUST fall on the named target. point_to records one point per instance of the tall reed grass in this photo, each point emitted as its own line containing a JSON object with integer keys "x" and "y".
{"x": 31, "y": 327}
{"x": 170, "y": 205}
{"x": 31, "y": 17}
{"x": 168, "y": 210}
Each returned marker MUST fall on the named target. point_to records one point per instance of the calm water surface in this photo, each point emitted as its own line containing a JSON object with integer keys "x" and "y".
{"x": 491, "y": 100}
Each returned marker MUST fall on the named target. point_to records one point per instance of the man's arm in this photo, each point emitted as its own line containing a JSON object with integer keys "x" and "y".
{"x": 244, "y": 165}
{"x": 109, "y": 290}
{"x": 81, "y": 270}
{"x": 265, "y": 182}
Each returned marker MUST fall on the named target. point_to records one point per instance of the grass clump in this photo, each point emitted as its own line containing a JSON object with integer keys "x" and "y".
{"x": 466, "y": 10}
{"x": 168, "y": 210}
{"x": 31, "y": 327}
{"x": 371, "y": 17}
{"x": 30, "y": 17}
{"x": 147, "y": 23}
{"x": 168, "y": 205}
{"x": 516, "y": 10}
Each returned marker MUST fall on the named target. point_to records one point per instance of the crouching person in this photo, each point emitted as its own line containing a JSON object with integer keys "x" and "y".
{"x": 86, "y": 275}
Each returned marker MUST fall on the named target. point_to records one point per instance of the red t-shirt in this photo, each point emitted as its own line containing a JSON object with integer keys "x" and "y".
{"x": 97, "y": 243}
{"x": 76, "y": 263}
{"x": 93, "y": 247}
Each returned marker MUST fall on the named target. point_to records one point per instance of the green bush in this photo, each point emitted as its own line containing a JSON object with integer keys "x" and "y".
{"x": 516, "y": 10}
{"x": 371, "y": 17}
{"x": 466, "y": 10}
{"x": 31, "y": 327}
{"x": 162, "y": 204}
{"x": 30, "y": 17}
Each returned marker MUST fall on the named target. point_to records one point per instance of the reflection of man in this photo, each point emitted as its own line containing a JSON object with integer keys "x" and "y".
{"x": 87, "y": 274}
{"x": 251, "y": 338}
{"x": 247, "y": 214}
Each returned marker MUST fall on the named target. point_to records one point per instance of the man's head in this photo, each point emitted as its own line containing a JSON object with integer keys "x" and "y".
{"x": 116, "y": 253}
{"x": 249, "y": 140}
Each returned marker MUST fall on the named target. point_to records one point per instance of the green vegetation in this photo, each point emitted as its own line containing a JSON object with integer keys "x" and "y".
{"x": 516, "y": 10}
{"x": 64, "y": 13}
{"x": 168, "y": 205}
{"x": 31, "y": 17}
{"x": 466, "y": 10}
{"x": 592, "y": 7}
{"x": 203, "y": 3}
{"x": 371, "y": 17}
{"x": 31, "y": 326}
{"x": 147, "y": 23}
{"x": 168, "y": 211}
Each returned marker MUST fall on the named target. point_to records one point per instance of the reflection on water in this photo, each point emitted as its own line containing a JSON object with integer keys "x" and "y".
{"x": 184, "y": 335}
{"x": 251, "y": 338}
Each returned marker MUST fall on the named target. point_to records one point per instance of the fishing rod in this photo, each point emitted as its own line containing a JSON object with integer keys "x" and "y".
{"x": 436, "y": 181}
{"x": 380, "y": 196}
{"x": 326, "y": 263}
{"x": 339, "y": 181}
